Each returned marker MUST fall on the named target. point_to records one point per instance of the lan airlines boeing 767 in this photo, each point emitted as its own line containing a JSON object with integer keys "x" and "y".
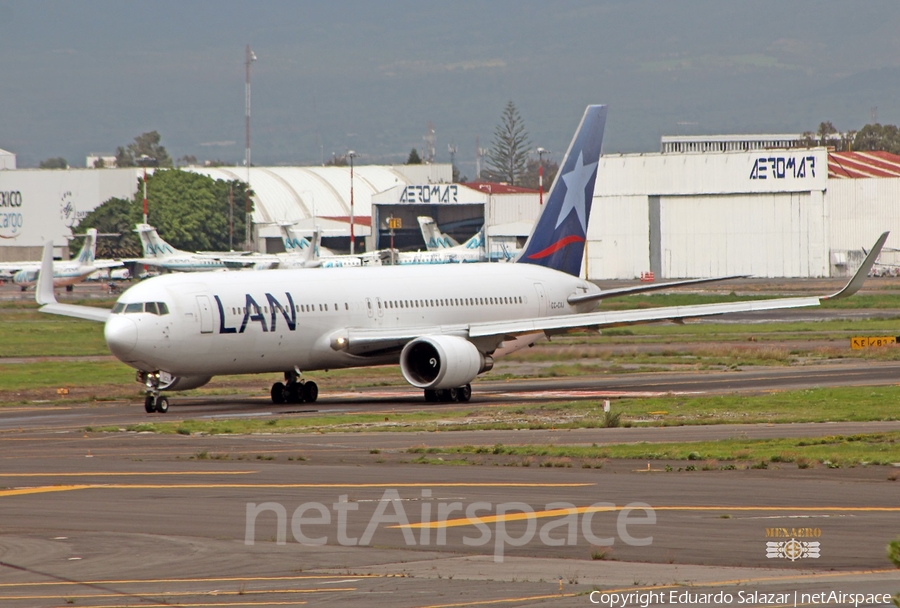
{"x": 443, "y": 324}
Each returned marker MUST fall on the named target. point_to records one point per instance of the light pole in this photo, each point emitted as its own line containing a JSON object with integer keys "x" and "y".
{"x": 250, "y": 58}
{"x": 351, "y": 154}
{"x": 541, "y": 153}
{"x": 452, "y": 149}
{"x": 143, "y": 160}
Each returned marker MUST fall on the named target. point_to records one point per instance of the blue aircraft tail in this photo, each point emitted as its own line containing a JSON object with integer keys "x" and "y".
{"x": 557, "y": 240}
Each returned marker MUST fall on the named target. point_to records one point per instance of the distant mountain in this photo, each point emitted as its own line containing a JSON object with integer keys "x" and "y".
{"x": 371, "y": 76}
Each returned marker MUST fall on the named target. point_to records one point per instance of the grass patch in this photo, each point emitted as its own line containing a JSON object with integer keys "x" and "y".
{"x": 834, "y": 451}
{"x": 814, "y": 405}
{"x": 51, "y": 374}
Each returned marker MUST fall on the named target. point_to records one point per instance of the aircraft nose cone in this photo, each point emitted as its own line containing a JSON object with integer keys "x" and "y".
{"x": 121, "y": 335}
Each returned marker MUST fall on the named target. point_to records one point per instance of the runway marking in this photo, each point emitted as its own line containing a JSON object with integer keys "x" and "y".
{"x": 502, "y": 601}
{"x": 743, "y": 581}
{"x": 226, "y": 579}
{"x": 518, "y": 516}
{"x": 121, "y": 474}
{"x": 145, "y": 605}
{"x": 489, "y": 519}
{"x": 88, "y": 596}
{"x": 40, "y": 490}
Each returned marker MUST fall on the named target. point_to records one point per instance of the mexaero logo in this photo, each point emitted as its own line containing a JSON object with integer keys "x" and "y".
{"x": 152, "y": 249}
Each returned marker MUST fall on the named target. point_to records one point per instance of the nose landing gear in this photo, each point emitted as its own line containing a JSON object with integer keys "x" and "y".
{"x": 153, "y": 402}
{"x": 294, "y": 389}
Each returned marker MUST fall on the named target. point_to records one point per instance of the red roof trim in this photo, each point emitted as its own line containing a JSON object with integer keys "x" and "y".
{"x": 863, "y": 164}
{"x": 499, "y": 188}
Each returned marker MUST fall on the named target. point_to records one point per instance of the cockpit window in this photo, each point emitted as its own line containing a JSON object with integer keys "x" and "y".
{"x": 153, "y": 308}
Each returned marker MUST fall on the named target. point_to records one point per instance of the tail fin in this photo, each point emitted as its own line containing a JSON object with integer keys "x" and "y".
{"x": 434, "y": 238}
{"x": 292, "y": 244}
{"x": 89, "y": 248}
{"x": 557, "y": 240}
{"x": 152, "y": 243}
{"x": 476, "y": 242}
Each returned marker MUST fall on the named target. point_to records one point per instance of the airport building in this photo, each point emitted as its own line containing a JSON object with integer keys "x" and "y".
{"x": 703, "y": 206}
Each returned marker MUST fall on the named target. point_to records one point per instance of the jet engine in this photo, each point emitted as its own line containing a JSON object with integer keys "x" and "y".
{"x": 439, "y": 362}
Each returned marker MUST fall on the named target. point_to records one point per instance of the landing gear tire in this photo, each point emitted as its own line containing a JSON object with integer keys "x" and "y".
{"x": 431, "y": 395}
{"x": 149, "y": 405}
{"x": 70, "y": 288}
{"x": 452, "y": 394}
{"x": 162, "y": 405}
{"x": 277, "y": 393}
{"x": 464, "y": 393}
{"x": 293, "y": 393}
{"x": 310, "y": 392}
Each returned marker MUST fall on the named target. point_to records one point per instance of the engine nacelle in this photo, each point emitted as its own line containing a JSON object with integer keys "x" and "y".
{"x": 437, "y": 362}
{"x": 181, "y": 383}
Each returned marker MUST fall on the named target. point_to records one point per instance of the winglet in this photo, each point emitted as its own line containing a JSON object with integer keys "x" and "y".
{"x": 862, "y": 272}
{"x": 43, "y": 293}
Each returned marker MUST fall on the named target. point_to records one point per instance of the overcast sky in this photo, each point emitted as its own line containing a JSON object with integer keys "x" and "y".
{"x": 87, "y": 76}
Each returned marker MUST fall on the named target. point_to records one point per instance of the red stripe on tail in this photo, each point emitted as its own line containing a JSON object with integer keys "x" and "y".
{"x": 572, "y": 238}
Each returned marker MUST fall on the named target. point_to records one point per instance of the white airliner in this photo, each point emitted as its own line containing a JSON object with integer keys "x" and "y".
{"x": 65, "y": 274}
{"x": 443, "y": 324}
{"x": 161, "y": 254}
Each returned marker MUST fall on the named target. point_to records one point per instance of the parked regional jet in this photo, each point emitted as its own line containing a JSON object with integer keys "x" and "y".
{"x": 444, "y": 325}
{"x": 65, "y": 274}
{"x": 436, "y": 242}
{"x": 161, "y": 254}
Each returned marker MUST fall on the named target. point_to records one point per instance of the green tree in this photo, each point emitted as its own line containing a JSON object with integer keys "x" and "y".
{"x": 54, "y": 163}
{"x": 508, "y": 156}
{"x": 337, "y": 160}
{"x": 878, "y": 137}
{"x": 145, "y": 144}
{"x": 414, "y": 158}
{"x": 189, "y": 210}
{"x": 531, "y": 178}
{"x": 115, "y": 216}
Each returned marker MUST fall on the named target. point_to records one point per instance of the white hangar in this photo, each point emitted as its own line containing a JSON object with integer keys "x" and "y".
{"x": 798, "y": 212}
{"x": 712, "y": 206}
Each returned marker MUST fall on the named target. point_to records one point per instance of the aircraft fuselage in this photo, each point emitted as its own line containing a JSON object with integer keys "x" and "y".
{"x": 271, "y": 321}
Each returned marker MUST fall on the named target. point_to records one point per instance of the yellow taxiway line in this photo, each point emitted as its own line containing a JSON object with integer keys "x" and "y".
{"x": 122, "y": 474}
{"x": 225, "y": 579}
{"x": 505, "y": 600}
{"x": 520, "y": 515}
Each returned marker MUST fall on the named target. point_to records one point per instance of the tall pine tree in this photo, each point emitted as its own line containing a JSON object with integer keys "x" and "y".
{"x": 508, "y": 156}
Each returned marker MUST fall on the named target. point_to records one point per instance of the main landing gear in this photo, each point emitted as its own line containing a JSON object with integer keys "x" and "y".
{"x": 294, "y": 389}
{"x": 461, "y": 394}
{"x": 153, "y": 402}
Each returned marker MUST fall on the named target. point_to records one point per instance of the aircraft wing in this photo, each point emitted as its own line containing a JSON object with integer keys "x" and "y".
{"x": 625, "y": 291}
{"x": 366, "y": 341}
{"x": 107, "y": 264}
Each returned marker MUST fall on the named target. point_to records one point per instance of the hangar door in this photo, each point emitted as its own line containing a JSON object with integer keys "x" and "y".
{"x": 763, "y": 235}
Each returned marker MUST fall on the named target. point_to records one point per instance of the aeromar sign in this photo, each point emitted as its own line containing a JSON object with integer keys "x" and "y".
{"x": 783, "y": 167}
